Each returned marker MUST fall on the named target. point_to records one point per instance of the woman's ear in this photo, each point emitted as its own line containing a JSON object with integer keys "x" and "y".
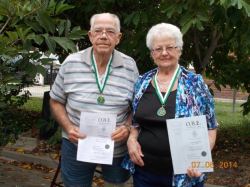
{"x": 179, "y": 52}
{"x": 151, "y": 54}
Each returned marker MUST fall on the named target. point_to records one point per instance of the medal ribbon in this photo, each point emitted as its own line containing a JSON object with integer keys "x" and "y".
{"x": 157, "y": 88}
{"x": 100, "y": 85}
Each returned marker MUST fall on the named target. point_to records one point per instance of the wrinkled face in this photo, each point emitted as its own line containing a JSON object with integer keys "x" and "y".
{"x": 165, "y": 53}
{"x": 104, "y": 35}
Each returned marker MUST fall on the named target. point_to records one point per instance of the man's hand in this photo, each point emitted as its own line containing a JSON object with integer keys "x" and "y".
{"x": 60, "y": 115}
{"x": 74, "y": 134}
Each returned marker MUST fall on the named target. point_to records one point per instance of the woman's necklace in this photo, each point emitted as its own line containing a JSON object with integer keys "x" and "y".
{"x": 163, "y": 86}
{"x": 162, "y": 111}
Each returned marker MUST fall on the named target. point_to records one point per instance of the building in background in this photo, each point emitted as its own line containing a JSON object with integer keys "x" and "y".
{"x": 51, "y": 71}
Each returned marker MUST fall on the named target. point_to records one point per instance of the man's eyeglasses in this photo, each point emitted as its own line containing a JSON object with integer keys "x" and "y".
{"x": 107, "y": 32}
{"x": 169, "y": 49}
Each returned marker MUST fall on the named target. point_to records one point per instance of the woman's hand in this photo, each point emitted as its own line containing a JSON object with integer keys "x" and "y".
{"x": 122, "y": 130}
{"x": 193, "y": 172}
{"x": 134, "y": 150}
{"x": 121, "y": 133}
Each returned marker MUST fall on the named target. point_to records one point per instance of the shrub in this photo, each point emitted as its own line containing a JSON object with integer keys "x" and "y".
{"x": 15, "y": 121}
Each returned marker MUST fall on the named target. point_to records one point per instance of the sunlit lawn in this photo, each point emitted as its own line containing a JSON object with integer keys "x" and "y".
{"x": 228, "y": 119}
{"x": 226, "y": 116}
{"x": 224, "y": 113}
{"x": 34, "y": 104}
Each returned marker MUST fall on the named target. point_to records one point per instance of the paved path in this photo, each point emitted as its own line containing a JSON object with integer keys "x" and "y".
{"x": 37, "y": 91}
{"x": 15, "y": 176}
{"x": 22, "y": 176}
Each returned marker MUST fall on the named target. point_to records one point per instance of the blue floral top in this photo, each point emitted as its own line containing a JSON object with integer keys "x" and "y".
{"x": 192, "y": 99}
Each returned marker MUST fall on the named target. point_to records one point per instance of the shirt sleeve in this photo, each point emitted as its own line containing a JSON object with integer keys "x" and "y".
{"x": 208, "y": 104}
{"x": 57, "y": 91}
{"x": 137, "y": 95}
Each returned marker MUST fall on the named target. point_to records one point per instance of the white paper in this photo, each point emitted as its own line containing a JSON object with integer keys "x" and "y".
{"x": 189, "y": 144}
{"x": 97, "y": 147}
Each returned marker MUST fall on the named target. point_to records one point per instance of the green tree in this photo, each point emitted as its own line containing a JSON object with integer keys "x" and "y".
{"x": 213, "y": 30}
{"x": 29, "y": 29}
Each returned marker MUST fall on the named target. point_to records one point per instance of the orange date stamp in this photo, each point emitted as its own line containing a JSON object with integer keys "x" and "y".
{"x": 225, "y": 164}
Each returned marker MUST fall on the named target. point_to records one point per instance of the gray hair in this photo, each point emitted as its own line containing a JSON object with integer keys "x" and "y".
{"x": 116, "y": 20}
{"x": 164, "y": 29}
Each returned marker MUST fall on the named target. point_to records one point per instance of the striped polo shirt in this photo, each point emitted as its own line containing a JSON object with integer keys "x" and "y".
{"x": 75, "y": 86}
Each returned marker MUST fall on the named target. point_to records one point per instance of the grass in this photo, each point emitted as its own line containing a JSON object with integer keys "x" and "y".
{"x": 234, "y": 123}
{"x": 34, "y": 104}
{"x": 225, "y": 117}
{"x": 224, "y": 114}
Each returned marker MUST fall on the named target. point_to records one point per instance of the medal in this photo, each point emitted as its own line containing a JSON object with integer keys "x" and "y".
{"x": 100, "y": 100}
{"x": 101, "y": 85}
{"x": 162, "y": 111}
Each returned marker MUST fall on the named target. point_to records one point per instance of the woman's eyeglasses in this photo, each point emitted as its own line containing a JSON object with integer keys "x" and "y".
{"x": 169, "y": 49}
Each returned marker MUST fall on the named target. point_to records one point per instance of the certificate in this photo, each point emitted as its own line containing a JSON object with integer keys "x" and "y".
{"x": 97, "y": 147}
{"x": 189, "y": 144}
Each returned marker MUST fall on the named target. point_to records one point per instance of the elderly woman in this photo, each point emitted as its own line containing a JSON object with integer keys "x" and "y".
{"x": 166, "y": 92}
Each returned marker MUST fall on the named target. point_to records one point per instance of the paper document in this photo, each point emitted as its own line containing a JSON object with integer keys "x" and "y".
{"x": 97, "y": 147}
{"x": 189, "y": 144}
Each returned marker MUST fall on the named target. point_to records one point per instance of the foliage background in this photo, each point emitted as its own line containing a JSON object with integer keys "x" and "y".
{"x": 216, "y": 39}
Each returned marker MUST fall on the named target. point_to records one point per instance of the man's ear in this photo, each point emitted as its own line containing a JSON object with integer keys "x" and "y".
{"x": 90, "y": 36}
{"x": 118, "y": 38}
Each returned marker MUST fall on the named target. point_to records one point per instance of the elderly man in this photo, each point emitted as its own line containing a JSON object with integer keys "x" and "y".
{"x": 96, "y": 80}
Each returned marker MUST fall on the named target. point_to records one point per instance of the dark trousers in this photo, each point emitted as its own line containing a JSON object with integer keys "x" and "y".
{"x": 144, "y": 178}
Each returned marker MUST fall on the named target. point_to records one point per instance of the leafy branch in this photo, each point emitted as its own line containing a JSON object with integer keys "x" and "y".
{"x": 5, "y": 25}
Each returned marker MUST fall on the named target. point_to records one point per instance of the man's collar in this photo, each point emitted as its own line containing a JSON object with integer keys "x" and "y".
{"x": 117, "y": 58}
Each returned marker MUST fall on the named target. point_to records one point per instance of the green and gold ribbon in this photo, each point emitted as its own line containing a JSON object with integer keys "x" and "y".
{"x": 162, "y": 111}
{"x": 101, "y": 85}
